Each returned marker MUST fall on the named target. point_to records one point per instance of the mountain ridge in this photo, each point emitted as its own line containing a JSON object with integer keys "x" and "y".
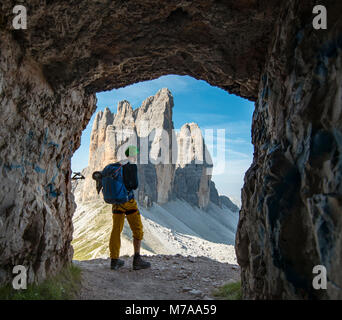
{"x": 186, "y": 173}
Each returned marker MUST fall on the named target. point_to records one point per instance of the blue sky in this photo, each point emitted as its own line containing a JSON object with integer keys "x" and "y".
{"x": 194, "y": 101}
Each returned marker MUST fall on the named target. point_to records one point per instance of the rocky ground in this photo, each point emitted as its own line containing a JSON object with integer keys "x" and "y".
{"x": 171, "y": 277}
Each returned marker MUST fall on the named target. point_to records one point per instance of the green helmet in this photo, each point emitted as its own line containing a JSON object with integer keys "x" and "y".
{"x": 131, "y": 151}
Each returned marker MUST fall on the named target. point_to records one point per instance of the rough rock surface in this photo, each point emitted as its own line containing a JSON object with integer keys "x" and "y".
{"x": 186, "y": 173}
{"x": 100, "y": 45}
{"x": 262, "y": 50}
{"x": 292, "y": 198}
{"x": 39, "y": 131}
{"x": 193, "y": 167}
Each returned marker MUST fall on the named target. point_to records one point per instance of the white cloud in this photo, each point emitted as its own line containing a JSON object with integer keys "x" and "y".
{"x": 232, "y": 128}
{"x": 238, "y": 154}
{"x": 237, "y": 141}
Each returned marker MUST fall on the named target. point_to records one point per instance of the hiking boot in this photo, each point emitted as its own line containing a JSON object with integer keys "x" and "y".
{"x": 139, "y": 263}
{"x": 116, "y": 263}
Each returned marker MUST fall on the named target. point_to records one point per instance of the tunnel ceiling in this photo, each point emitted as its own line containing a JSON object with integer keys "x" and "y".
{"x": 100, "y": 45}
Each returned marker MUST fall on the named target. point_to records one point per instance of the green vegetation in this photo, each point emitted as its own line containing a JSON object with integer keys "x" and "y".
{"x": 63, "y": 286}
{"x": 84, "y": 252}
{"x": 84, "y": 247}
{"x": 229, "y": 291}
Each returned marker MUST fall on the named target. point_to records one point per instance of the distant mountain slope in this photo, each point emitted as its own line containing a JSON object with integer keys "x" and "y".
{"x": 172, "y": 228}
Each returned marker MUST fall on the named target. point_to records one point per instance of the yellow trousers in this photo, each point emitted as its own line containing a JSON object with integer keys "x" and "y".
{"x": 131, "y": 211}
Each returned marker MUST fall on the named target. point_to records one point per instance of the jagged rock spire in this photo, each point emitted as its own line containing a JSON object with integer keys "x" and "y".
{"x": 182, "y": 173}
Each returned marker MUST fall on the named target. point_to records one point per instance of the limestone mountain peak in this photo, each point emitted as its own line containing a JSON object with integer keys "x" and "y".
{"x": 183, "y": 174}
{"x": 124, "y": 106}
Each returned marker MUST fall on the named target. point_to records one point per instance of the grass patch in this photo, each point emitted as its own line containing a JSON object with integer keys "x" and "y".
{"x": 84, "y": 252}
{"x": 84, "y": 247}
{"x": 229, "y": 291}
{"x": 63, "y": 286}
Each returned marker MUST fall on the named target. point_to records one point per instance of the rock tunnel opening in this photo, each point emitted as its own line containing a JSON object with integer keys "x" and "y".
{"x": 205, "y": 169}
{"x": 50, "y": 72}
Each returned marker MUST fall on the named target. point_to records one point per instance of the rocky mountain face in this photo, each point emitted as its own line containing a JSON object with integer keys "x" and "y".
{"x": 170, "y": 164}
{"x": 266, "y": 51}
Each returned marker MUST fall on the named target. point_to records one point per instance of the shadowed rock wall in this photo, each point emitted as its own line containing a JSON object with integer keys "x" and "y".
{"x": 40, "y": 129}
{"x": 292, "y": 198}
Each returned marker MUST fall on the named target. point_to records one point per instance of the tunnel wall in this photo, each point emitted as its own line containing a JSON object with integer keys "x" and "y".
{"x": 40, "y": 129}
{"x": 291, "y": 217}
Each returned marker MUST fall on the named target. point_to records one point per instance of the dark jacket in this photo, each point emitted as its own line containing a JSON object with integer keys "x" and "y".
{"x": 130, "y": 176}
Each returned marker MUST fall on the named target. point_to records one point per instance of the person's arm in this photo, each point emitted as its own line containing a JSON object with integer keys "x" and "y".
{"x": 130, "y": 175}
{"x": 135, "y": 182}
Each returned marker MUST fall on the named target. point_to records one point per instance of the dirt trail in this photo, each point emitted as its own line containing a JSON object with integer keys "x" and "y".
{"x": 170, "y": 277}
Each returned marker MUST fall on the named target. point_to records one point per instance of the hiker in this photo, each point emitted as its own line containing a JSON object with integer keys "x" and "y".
{"x": 123, "y": 177}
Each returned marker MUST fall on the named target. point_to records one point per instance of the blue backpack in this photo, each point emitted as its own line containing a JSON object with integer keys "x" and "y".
{"x": 114, "y": 190}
